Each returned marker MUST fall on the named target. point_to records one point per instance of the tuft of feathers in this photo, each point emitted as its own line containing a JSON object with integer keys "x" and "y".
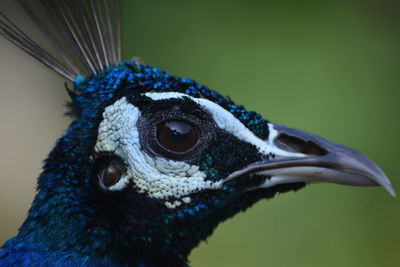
{"x": 71, "y": 37}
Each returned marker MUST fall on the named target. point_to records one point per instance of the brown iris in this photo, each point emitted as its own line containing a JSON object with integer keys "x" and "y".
{"x": 111, "y": 174}
{"x": 176, "y": 136}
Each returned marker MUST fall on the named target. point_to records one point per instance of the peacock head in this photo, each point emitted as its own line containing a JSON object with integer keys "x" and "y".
{"x": 153, "y": 162}
{"x": 172, "y": 158}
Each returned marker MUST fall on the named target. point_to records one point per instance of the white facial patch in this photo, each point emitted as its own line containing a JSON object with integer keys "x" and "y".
{"x": 226, "y": 121}
{"x": 156, "y": 177}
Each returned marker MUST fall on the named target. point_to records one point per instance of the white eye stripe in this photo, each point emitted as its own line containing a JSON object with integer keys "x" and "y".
{"x": 156, "y": 177}
{"x": 161, "y": 178}
{"x": 226, "y": 121}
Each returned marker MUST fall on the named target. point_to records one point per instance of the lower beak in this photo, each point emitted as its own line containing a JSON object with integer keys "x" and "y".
{"x": 312, "y": 159}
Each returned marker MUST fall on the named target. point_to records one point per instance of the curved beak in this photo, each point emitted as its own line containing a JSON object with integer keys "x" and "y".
{"x": 309, "y": 158}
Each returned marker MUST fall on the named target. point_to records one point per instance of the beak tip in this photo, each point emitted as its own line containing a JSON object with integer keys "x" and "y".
{"x": 387, "y": 185}
{"x": 384, "y": 181}
{"x": 389, "y": 188}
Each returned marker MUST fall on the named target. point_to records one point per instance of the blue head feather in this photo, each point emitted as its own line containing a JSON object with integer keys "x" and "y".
{"x": 60, "y": 222}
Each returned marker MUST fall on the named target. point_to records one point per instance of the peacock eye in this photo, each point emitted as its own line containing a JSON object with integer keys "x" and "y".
{"x": 111, "y": 174}
{"x": 109, "y": 169}
{"x": 176, "y": 136}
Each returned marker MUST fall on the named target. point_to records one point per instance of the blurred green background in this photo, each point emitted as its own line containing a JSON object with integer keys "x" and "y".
{"x": 328, "y": 67}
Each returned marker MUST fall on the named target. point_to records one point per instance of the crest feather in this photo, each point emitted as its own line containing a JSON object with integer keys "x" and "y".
{"x": 72, "y": 37}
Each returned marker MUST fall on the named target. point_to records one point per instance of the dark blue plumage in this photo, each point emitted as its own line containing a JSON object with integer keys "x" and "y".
{"x": 61, "y": 225}
{"x": 153, "y": 163}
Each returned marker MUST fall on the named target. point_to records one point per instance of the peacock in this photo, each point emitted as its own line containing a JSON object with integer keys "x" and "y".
{"x": 152, "y": 162}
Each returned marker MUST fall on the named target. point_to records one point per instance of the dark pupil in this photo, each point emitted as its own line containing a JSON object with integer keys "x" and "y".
{"x": 111, "y": 175}
{"x": 176, "y": 136}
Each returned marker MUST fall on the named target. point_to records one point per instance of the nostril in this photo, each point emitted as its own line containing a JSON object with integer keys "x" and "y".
{"x": 295, "y": 144}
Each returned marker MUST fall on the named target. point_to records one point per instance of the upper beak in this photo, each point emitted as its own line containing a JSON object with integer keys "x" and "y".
{"x": 309, "y": 158}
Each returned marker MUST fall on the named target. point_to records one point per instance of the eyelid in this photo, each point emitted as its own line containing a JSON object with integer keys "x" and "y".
{"x": 205, "y": 130}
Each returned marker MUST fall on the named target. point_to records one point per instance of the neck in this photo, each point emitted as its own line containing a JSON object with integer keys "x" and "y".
{"x": 63, "y": 219}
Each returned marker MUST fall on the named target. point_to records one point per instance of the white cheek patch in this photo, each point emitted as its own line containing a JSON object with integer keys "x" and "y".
{"x": 226, "y": 121}
{"x": 157, "y": 177}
